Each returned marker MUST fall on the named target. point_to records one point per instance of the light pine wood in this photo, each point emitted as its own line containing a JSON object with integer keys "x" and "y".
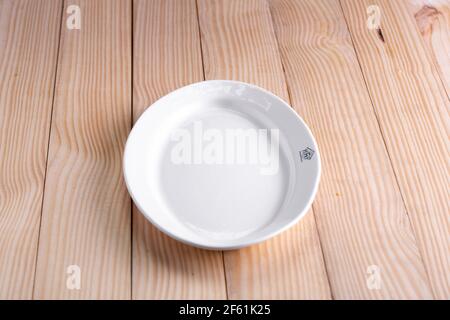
{"x": 239, "y": 43}
{"x": 86, "y": 213}
{"x": 376, "y": 100}
{"x": 413, "y": 111}
{"x": 360, "y": 214}
{"x": 28, "y": 50}
{"x": 433, "y": 20}
{"x": 167, "y": 56}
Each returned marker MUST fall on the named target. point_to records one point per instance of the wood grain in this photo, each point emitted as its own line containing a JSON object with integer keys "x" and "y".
{"x": 239, "y": 44}
{"x": 86, "y": 212}
{"x": 433, "y": 20}
{"x": 376, "y": 100}
{"x": 413, "y": 111}
{"x": 359, "y": 210}
{"x": 28, "y": 50}
{"x": 167, "y": 56}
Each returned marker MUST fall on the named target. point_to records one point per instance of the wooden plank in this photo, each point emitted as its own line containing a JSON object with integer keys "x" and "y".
{"x": 28, "y": 52}
{"x": 86, "y": 213}
{"x": 360, "y": 215}
{"x": 433, "y": 20}
{"x": 239, "y": 43}
{"x": 167, "y": 56}
{"x": 413, "y": 110}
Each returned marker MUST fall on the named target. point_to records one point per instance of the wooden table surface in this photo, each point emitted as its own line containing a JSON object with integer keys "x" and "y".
{"x": 375, "y": 96}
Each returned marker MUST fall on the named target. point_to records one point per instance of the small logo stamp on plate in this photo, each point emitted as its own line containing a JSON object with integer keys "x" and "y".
{"x": 306, "y": 154}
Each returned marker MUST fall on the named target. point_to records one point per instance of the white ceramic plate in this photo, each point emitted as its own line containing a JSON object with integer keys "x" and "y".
{"x": 221, "y": 165}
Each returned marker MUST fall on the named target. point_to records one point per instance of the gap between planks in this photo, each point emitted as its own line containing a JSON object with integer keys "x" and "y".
{"x": 48, "y": 144}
